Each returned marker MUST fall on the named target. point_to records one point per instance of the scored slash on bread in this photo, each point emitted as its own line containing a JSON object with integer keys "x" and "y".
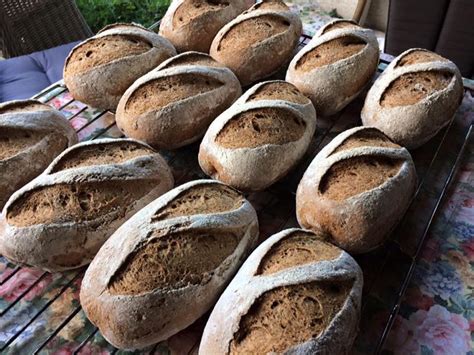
{"x": 259, "y": 138}
{"x": 335, "y": 66}
{"x": 100, "y": 69}
{"x": 32, "y": 134}
{"x": 191, "y": 25}
{"x": 414, "y": 98}
{"x": 173, "y": 105}
{"x": 294, "y": 294}
{"x": 60, "y": 219}
{"x": 166, "y": 266}
{"x": 356, "y": 189}
{"x": 257, "y": 43}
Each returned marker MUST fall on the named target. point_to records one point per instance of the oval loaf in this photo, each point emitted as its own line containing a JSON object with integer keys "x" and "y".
{"x": 173, "y": 105}
{"x": 100, "y": 69}
{"x": 258, "y": 42}
{"x": 259, "y": 138}
{"x": 295, "y": 294}
{"x": 414, "y": 98}
{"x": 356, "y": 189}
{"x": 60, "y": 219}
{"x": 32, "y": 134}
{"x": 191, "y": 25}
{"x": 335, "y": 65}
{"x": 166, "y": 266}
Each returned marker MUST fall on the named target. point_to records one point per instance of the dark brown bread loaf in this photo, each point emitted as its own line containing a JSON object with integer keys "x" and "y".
{"x": 335, "y": 65}
{"x": 416, "y": 96}
{"x": 356, "y": 189}
{"x": 100, "y": 69}
{"x": 295, "y": 294}
{"x": 166, "y": 266}
{"x": 60, "y": 219}
{"x": 258, "y": 42}
{"x": 173, "y": 105}
{"x": 32, "y": 134}
{"x": 191, "y": 25}
{"x": 259, "y": 138}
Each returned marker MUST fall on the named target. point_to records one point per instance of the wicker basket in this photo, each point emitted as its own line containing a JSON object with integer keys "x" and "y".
{"x": 28, "y": 26}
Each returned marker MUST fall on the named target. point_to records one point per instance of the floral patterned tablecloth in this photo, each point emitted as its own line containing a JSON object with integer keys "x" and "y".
{"x": 435, "y": 317}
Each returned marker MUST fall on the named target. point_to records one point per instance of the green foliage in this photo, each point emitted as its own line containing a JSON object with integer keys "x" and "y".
{"x": 99, "y": 13}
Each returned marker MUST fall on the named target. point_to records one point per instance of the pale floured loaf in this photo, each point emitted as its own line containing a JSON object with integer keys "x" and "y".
{"x": 356, "y": 189}
{"x": 335, "y": 65}
{"x": 259, "y": 138}
{"x": 173, "y": 105}
{"x": 257, "y": 43}
{"x": 416, "y": 96}
{"x": 191, "y": 25}
{"x": 100, "y": 69}
{"x": 32, "y": 134}
{"x": 166, "y": 266}
{"x": 59, "y": 220}
{"x": 295, "y": 294}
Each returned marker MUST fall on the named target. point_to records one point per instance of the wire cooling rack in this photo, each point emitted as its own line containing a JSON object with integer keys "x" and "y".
{"x": 28, "y": 324}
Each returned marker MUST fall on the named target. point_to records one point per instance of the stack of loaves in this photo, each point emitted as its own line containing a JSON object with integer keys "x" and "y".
{"x": 161, "y": 258}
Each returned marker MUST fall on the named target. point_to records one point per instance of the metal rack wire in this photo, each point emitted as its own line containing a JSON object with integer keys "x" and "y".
{"x": 281, "y": 195}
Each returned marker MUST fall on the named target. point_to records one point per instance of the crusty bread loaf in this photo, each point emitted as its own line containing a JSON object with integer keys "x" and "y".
{"x": 166, "y": 266}
{"x": 60, "y": 219}
{"x": 356, "y": 189}
{"x": 32, "y": 134}
{"x": 414, "y": 98}
{"x": 259, "y": 138}
{"x": 295, "y": 294}
{"x": 173, "y": 105}
{"x": 258, "y": 42}
{"x": 191, "y": 25}
{"x": 100, "y": 69}
{"x": 335, "y": 65}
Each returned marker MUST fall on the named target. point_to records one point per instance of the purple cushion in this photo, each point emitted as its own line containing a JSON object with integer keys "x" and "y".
{"x": 24, "y": 76}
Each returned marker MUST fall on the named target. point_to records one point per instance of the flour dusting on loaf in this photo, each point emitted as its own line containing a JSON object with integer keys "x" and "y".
{"x": 60, "y": 219}
{"x": 167, "y": 265}
{"x": 259, "y": 138}
{"x": 356, "y": 189}
{"x": 296, "y": 293}
{"x": 414, "y": 98}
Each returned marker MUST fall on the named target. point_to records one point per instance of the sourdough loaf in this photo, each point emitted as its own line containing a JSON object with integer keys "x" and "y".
{"x": 32, "y": 134}
{"x": 335, "y": 65}
{"x": 258, "y": 42}
{"x": 191, "y": 25}
{"x": 259, "y": 138}
{"x": 100, "y": 69}
{"x": 295, "y": 294}
{"x": 356, "y": 189}
{"x": 414, "y": 98}
{"x": 60, "y": 219}
{"x": 173, "y": 105}
{"x": 166, "y": 266}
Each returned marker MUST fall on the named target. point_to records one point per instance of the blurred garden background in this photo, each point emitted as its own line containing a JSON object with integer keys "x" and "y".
{"x": 99, "y": 13}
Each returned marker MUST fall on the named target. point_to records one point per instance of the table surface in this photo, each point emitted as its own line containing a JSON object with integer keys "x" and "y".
{"x": 41, "y": 311}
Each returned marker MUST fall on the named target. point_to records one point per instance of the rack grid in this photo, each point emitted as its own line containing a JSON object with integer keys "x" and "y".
{"x": 276, "y": 211}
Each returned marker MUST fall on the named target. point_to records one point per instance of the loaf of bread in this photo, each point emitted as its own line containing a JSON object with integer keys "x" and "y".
{"x": 335, "y": 65}
{"x": 32, "y": 134}
{"x": 173, "y": 105}
{"x": 414, "y": 98}
{"x": 295, "y": 294}
{"x": 191, "y": 25}
{"x": 258, "y": 42}
{"x": 166, "y": 266}
{"x": 60, "y": 219}
{"x": 259, "y": 138}
{"x": 100, "y": 69}
{"x": 356, "y": 189}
